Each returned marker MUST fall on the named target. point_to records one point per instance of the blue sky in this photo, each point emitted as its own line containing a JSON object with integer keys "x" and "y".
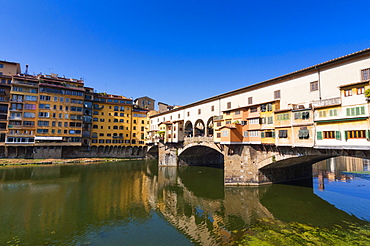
{"x": 178, "y": 52}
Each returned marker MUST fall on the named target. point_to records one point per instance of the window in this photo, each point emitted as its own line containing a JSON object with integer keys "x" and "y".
{"x": 44, "y": 114}
{"x": 314, "y": 86}
{"x": 218, "y": 135}
{"x": 348, "y": 93}
{"x": 254, "y": 121}
{"x": 322, "y": 114}
{"x": 355, "y": 111}
{"x": 43, "y": 123}
{"x": 237, "y": 112}
{"x": 188, "y": 114}
{"x": 355, "y": 134}
{"x": 360, "y": 90}
{"x": 30, "y": 106}
{"x": 212, "y": 109}
{"x": 42, "y": 130}
{"x": 253, "y": 110}
{"x": 199, "y": 111}
{"x": 253, "y": 133}
{"x": 218, "y": 123}
{"x": 228, "y": 122}
{"x": 283, "y": 133}
{"x": 329, "y": 134}
{"x": 267, "y": 134}
{"x": 284, "y": 116}
{"x": 245, "y": 134}
{"x": 229, "y": 105}
{"x": 1, "y": 65}
{"x": 277, "y": 94}
{"x": 250, "y": 100}
{"x": 44, "y": 98}
{"x": 303, "y": 134}
{"x": 225, "y": 133}
{"x": 365, "y": 74}
{"x": 270, "y": 120}
{"x": 333, "y": 112}
{"x": 30, "y": 98}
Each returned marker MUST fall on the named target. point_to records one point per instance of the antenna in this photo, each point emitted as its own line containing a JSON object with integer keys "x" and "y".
{"x": 26, "y": 72}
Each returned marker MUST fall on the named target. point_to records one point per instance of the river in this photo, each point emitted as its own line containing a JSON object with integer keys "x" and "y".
{"x": 137, "y": 203}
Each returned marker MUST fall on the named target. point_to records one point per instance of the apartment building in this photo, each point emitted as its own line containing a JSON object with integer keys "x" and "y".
{"x": 111, "y": 120}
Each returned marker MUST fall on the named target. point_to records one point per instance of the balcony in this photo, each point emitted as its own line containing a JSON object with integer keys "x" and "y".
{"x": 327, "y": 102}
{"x": 220, "y": 117}
{"x": 15, "y": 100}
{"x": 15, "y": 118}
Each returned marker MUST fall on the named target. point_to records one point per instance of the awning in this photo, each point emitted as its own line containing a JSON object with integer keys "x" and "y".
{"x": 49, "y": 138}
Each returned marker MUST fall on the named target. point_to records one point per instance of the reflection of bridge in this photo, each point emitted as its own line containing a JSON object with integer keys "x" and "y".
{"x": 210, "y": 218}
{"x": 313, "y": 114}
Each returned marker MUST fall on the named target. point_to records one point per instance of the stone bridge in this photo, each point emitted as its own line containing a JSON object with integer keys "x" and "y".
{"x": 250, "y": 164}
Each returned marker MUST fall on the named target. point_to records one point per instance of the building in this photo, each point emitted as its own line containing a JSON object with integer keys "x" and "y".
{"x": 111, "y": 120}
{"x": 320, "y": 106}
{"x": 144, "y": 103}
{"x": 9, "y": 68}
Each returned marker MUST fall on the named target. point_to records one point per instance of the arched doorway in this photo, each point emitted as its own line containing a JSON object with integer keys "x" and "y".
{"x": 210, "y": 127}
{"x": 188, "y": 129}
{"x": 199, "y": 128}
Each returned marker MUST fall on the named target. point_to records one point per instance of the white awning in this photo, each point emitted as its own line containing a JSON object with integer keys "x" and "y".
{"x": 49, "y": 138}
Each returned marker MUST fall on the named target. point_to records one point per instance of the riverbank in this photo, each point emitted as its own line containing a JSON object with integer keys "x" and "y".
{"x": 21, "y": 162}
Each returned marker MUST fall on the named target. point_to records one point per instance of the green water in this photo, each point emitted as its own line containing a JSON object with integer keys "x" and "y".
{"x": 137, "y": 203}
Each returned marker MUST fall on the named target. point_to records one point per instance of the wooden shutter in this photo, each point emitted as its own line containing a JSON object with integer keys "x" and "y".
{"x": 337, "y": 135}
{"x": 319, "y": 135}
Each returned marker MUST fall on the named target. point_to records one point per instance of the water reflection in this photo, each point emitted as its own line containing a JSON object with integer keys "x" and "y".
{"x": 137, "y": 203}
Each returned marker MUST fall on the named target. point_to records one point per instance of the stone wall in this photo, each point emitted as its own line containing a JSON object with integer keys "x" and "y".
{"x": 57, "y": 152}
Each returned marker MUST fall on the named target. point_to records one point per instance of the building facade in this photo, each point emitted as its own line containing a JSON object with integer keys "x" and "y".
{"x": 320, "y": 106}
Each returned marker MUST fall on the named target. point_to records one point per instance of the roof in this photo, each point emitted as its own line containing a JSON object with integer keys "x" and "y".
{"x": 15, "y": 63}
{"x": 364, "y": 52}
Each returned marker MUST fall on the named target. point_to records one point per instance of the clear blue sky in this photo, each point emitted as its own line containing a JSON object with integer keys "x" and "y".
{"x": 178, "y": 51}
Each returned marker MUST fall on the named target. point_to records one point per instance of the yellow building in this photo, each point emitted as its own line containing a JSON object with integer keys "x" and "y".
{"x": 140, "y": 126}
{"x": 111, "y": 120}
{"x": 267, "y": 123}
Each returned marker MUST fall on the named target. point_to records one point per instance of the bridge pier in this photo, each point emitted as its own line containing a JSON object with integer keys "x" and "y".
{"x": 167, "y": 155}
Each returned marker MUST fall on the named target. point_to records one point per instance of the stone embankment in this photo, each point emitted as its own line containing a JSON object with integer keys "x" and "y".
{"x": 16, "y": 162}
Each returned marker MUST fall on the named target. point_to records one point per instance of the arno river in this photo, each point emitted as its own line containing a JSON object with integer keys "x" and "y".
{"x": 137, "y": 203}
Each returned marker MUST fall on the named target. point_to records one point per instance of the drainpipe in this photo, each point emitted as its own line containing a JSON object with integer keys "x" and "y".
{"x": 313, "y": 111}
{"x": 319, "y": 82}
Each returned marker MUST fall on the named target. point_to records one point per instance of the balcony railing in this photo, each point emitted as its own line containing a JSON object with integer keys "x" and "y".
{"x": 220, "y": 117}
{"x": 327, "y": 102}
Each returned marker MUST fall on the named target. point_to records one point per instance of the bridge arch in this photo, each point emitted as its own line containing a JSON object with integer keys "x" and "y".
{"x": 201, "y": 155}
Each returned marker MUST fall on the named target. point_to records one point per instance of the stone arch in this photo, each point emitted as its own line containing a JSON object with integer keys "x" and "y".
{"x": 152, "y": 152}
{"x": 188, "y": 129}
{"x": 200, "y": 155}
{"x": 199, "y": 128}
{"x": 209, "y": 131}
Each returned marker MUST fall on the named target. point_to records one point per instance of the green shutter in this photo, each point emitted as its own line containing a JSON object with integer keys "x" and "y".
{"x": 262, "y": 134}
{"x": 368, "y": 135}
{"x": 319, "y": 135}
{"x": 346, "y": 135}
{"x": 353, "y": 111}
{"x": 337, "y": 135}
{"x": 348, "y": 111}
{"x": 273, "y": 134}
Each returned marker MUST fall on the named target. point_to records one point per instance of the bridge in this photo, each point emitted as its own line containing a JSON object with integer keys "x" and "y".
{"x": 273, "y": 130}
{"x": 250, "y": 164}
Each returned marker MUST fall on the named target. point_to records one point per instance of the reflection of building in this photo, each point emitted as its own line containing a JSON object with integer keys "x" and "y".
{"x": 332, "y": 169}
